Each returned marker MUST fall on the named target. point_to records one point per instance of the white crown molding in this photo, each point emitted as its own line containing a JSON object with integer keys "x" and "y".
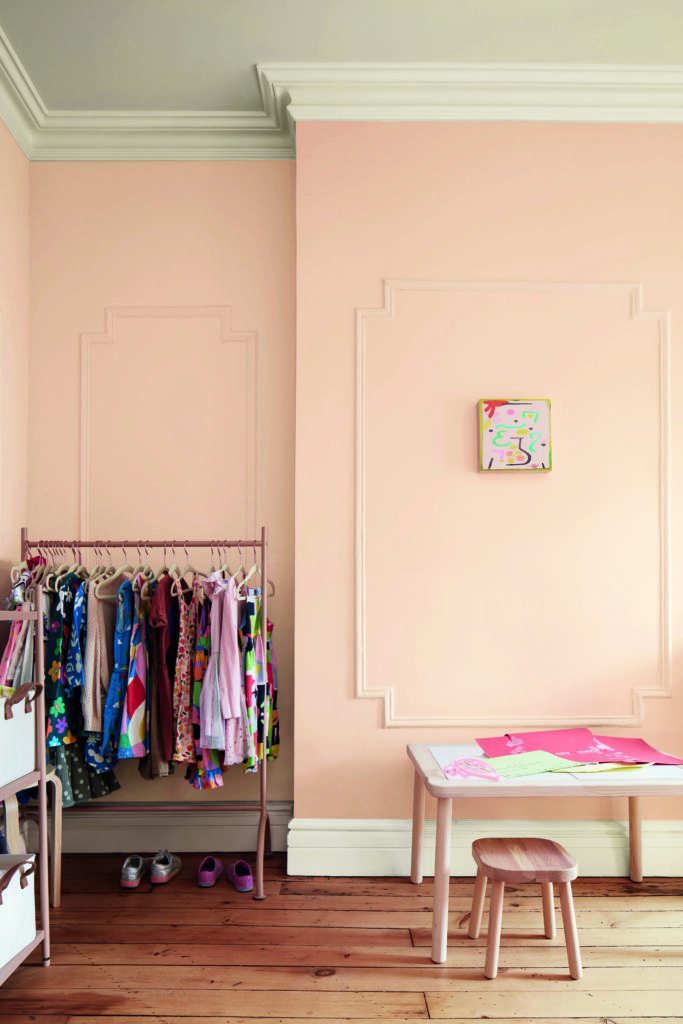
{"x": 292, "y": 92}
{"x": 474, "y": 92}
{"x": 134, "y": 135}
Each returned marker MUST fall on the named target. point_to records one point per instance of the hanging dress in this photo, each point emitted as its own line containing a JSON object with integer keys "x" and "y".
{"x": 133, "y": 736}
{"x": 113, "y": 708}
{"x": 207, "y": 774}
{"x": 224, "y": 729}
{"x": 260, "y": 684}
{"x": 62, "y": 705}
{"x": 101, "y": 614}
{"x": 157, "y": 763}
{"x": 182, "y": 684}
{"x": 80, "y": 782}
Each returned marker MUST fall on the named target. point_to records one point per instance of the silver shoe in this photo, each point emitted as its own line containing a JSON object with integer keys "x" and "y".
{"x": 132, "y": 871}
{"x": 165, "y": 866}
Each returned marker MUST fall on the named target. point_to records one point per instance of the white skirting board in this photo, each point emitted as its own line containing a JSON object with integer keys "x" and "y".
{"x": 106, "y": 828}
{"x": 360, "y": 847}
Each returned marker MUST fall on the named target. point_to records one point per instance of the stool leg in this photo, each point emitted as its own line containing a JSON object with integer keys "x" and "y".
{"x": 15, "y": 843}
{"x": 548, "y": 910}
{"x": 495, "y": 920}
{"x": 56, "y": 840}
{"x": 571, "y": 936}
{"x": 477, "y": 904}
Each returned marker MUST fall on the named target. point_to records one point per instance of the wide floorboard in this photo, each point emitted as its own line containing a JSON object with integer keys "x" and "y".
{"x": 341, "y": 949}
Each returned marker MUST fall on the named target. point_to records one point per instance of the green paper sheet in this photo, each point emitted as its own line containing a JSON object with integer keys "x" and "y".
{"x": 532, "y": 762}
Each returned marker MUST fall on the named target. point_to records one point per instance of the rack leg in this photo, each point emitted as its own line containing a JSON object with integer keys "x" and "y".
{"x": 263, "y": 825}
{"x": 263, "y": 830}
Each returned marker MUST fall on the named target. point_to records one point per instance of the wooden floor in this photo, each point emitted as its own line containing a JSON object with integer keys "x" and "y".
{"x": 340, "y": 949}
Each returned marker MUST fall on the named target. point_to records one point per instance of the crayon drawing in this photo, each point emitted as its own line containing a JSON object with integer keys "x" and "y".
{"x": 514, "y": 433}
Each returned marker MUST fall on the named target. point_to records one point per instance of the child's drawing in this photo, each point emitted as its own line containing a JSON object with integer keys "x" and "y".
{"x": 514, "y": 433}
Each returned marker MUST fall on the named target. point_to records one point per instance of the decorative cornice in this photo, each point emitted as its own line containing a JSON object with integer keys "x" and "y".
{"x": 292, "y": 92}
{"x": 134, "y": 135}
{"x": 475, "y": 92}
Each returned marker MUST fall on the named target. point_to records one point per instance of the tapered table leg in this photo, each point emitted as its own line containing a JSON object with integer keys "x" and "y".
{"x": 442, "y": 874}
{"x": 418, "y": 829}
{"x": 635, "y": 839}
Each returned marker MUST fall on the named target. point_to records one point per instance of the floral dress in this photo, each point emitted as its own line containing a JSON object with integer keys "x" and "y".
{"x": 182, "y": 684}
{"x": 62, "y": 702}
{"x": 80, "y": 782}
{"x": 207, "y": 774}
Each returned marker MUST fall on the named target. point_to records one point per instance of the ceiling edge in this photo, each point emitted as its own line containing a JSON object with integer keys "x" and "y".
{"x": 292, "y": 92}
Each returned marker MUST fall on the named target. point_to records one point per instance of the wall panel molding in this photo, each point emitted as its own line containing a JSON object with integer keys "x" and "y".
{"x": 225, "y": 336}
{"x": 366, "y": 688}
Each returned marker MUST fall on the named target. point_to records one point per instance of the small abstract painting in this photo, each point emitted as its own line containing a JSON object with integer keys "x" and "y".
{"x": 514, "y": 433}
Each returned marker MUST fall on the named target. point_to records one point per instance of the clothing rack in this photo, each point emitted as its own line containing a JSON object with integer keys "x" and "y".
{"x": 263, "y": 839}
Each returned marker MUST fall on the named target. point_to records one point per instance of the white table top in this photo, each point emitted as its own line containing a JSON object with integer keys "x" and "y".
{"x": 647, "y": 780}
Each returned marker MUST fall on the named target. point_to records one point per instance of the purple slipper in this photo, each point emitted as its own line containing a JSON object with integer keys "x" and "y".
{"x": 209, "y": 871}
{"x": 239, "y": 874}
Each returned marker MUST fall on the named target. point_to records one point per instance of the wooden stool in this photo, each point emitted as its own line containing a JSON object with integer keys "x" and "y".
{"x": 524, "y": 860}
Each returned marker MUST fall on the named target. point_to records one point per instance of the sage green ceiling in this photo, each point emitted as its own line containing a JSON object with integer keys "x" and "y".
{"x": 200, "y": 55}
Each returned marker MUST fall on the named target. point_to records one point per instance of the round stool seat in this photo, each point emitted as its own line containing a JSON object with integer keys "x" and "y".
{"x": 524, "y": 860}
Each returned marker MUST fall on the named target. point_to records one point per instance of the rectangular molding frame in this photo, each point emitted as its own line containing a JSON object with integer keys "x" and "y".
{"x": 225, "y": 335}
{"x": 661, "y": 318}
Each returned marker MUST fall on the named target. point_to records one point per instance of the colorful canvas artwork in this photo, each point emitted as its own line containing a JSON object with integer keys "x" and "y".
{"x": 514, "y": 433}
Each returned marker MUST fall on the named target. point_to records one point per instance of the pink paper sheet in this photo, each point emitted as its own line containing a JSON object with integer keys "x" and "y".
{"x": 577, "y": 745}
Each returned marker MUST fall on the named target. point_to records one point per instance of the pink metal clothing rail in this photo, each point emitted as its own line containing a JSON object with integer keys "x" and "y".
{"x": 27, "y": 545}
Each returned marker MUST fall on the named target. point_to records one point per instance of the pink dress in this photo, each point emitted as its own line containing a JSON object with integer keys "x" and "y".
{"x": 223, "y": 679}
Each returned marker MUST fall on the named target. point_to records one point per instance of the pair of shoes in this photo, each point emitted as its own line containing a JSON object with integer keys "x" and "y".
{"x": 210, "y": 870}
{"x": 132, "y": 871}
{"x": 165, "y": 866}
{"x": 239, "y": 874}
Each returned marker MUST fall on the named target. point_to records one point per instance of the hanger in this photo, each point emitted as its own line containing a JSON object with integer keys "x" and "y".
{"x": 76, "y": 567}
{"x": 174, "y": 568}
{"x": 145, "y": 589}
{"x": 224, "y": 569}
{"x": 50, "y": 579}
{"x": 123, "y": 570}
{"x": 99, "y": 568}
{"x": 177, "y": 587}
{"x": 240, "y": 567}
{"x": 37, "y": 573}
{"x": 253, "y": 569}
{"x": 143, "y": 568}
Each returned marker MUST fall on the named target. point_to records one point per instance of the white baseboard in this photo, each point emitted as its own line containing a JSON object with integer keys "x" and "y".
{"x": 183, "y": 828}
{"x": 382, "y": 847}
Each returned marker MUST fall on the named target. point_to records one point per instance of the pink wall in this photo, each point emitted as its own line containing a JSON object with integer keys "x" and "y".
{"x": 538, "y": 261}
{"x": 14, "y": 291}
{"x": 162, "y": 380}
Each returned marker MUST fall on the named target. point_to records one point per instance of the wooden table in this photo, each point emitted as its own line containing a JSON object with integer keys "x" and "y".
{"x": 663, "y": 780}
